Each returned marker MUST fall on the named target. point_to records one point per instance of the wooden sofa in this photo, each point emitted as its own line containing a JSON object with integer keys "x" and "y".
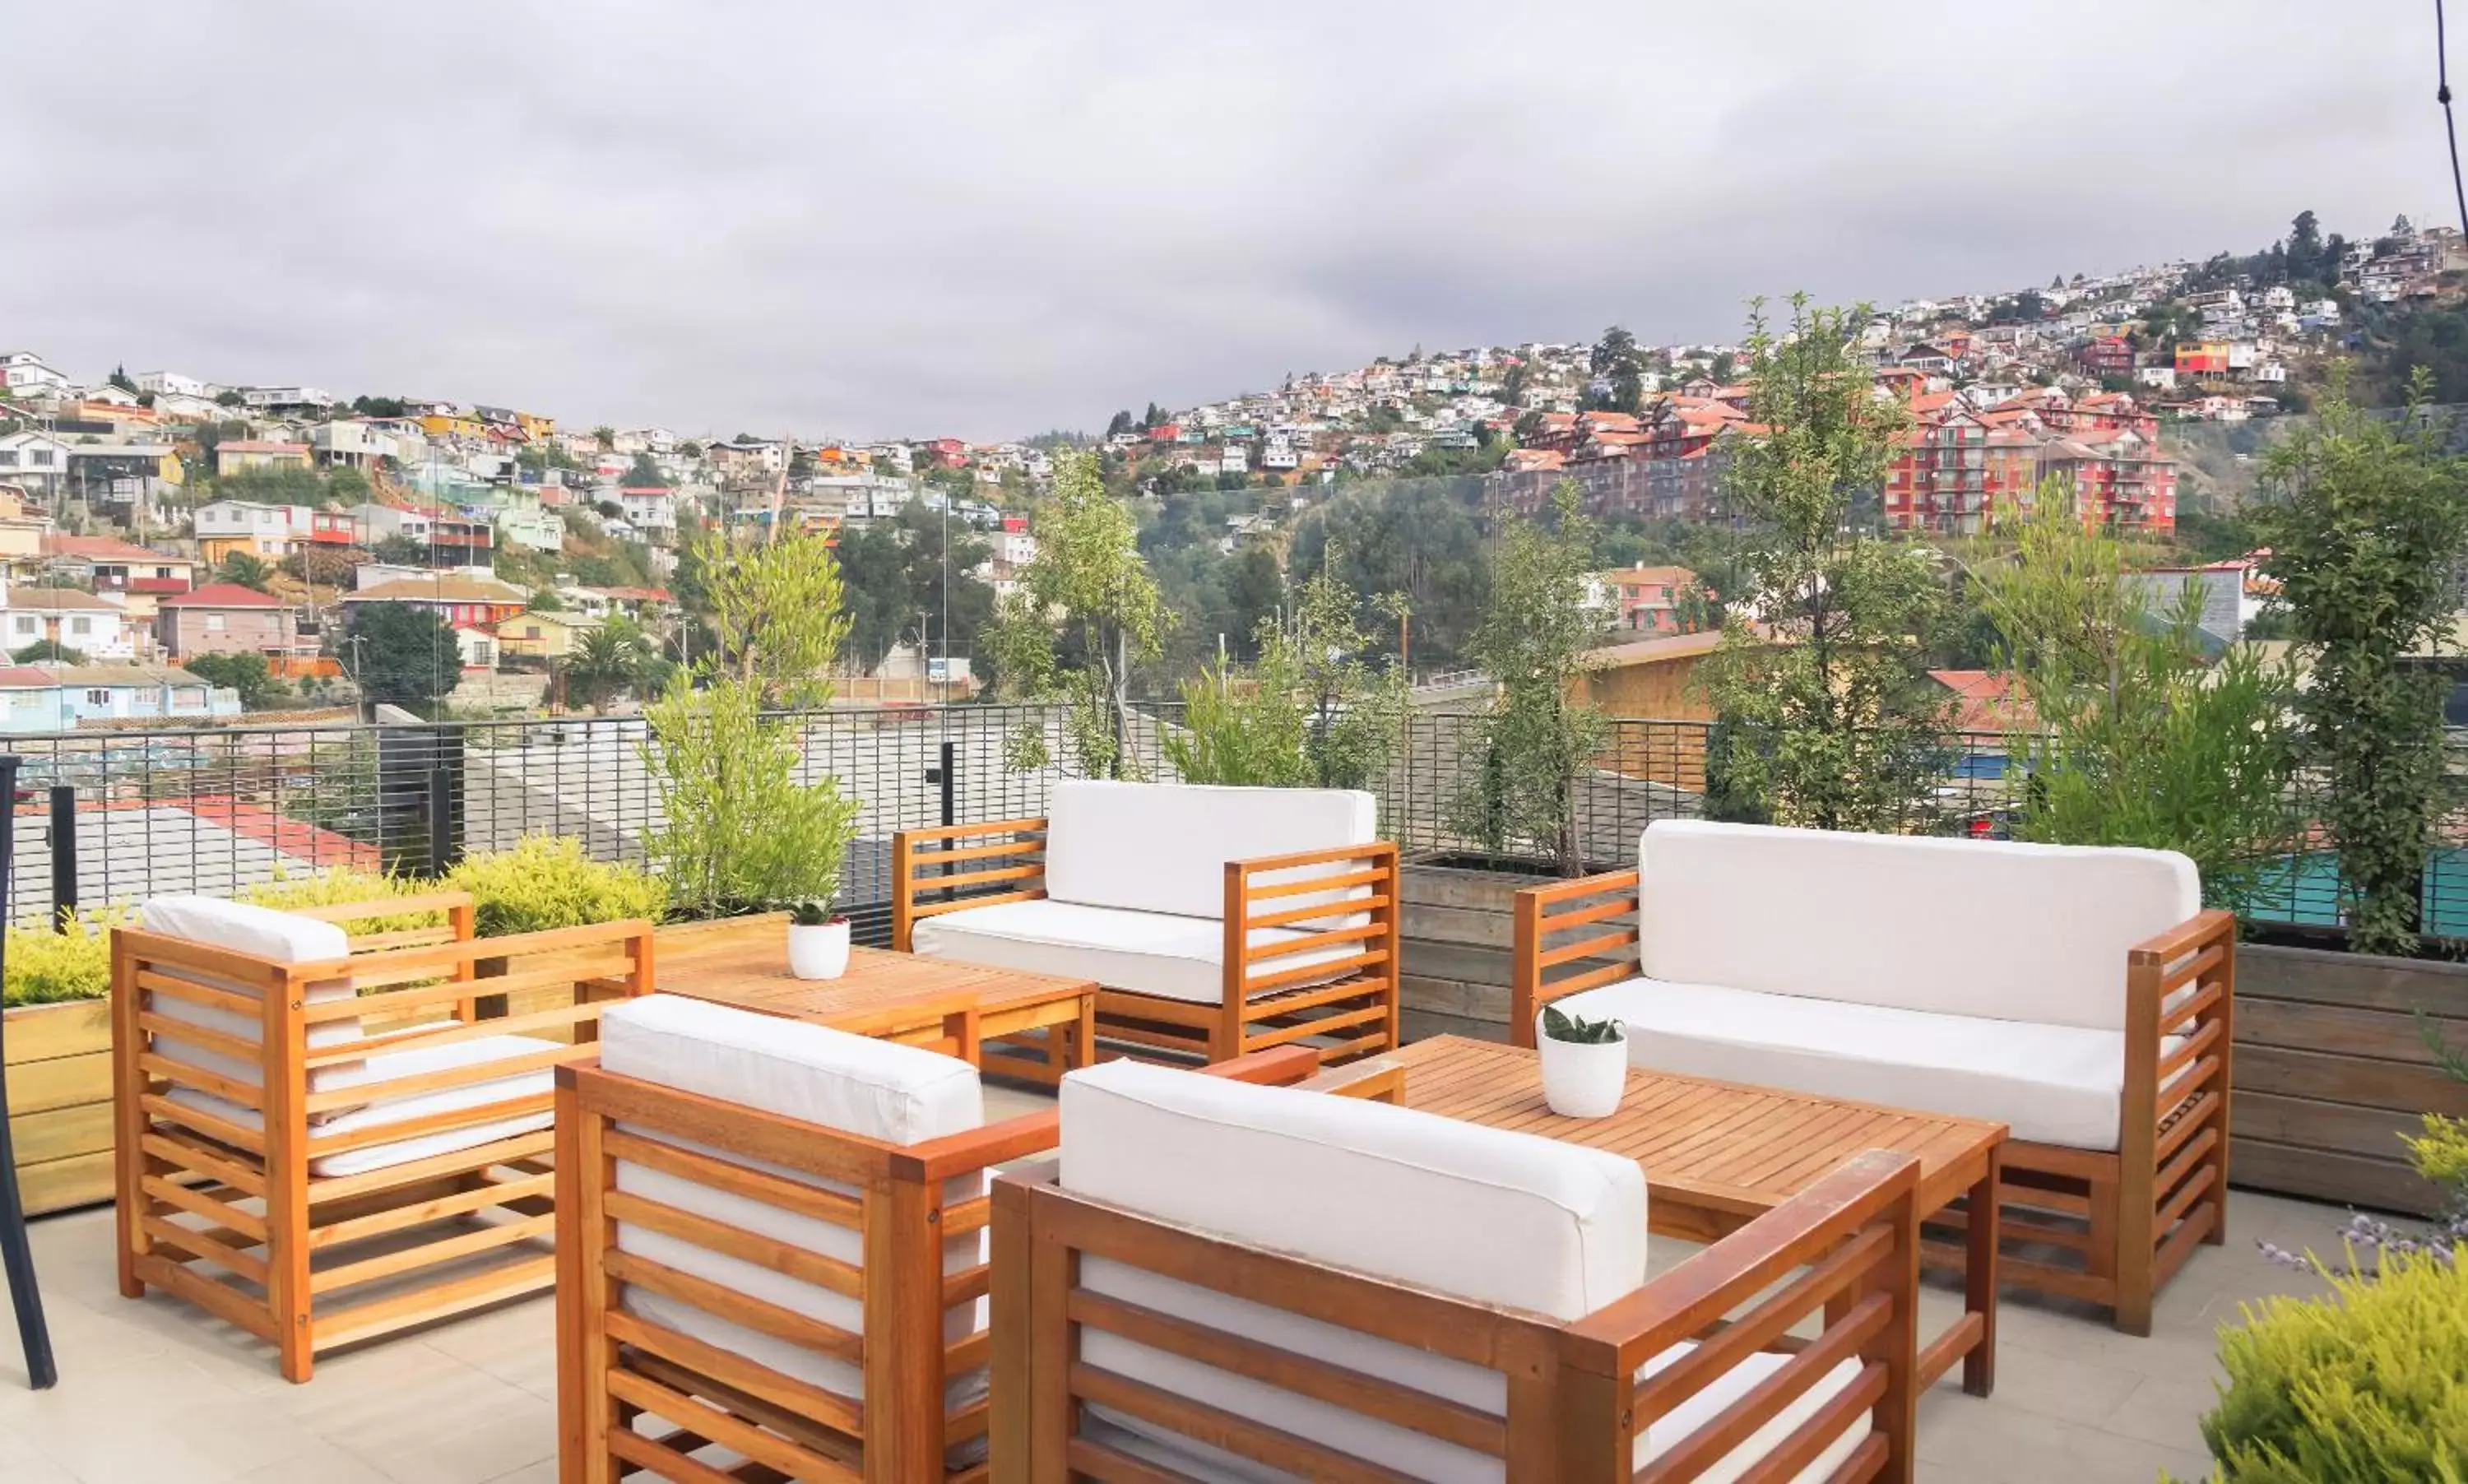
{"x": 773, "y": 1241}
{"x": 1217, "y": 1282}
{"x": 1217, "y": 921}
{"x": 317, "y": 1140}
{"x": 2080, "y": 995}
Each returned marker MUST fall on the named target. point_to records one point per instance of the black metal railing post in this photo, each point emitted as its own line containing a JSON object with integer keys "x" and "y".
{"x": 16, "y": 1247}
{"x": 64, "y": 855}
{"x": 443, "y": 841}
{"x": 948, "y": 774}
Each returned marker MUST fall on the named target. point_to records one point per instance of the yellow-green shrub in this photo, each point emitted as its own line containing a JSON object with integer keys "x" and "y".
{"x": 340, "y": 886}
{"x": 2368, "y": 1384}
{"x": 46, "y": 967}
{"x": 546, "y": 880}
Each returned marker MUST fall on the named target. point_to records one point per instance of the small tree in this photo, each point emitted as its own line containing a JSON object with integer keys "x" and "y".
{"x": 778, "y": 613}
{"x": 1352, "y": 712}
{"x": 610, "y": 658}
{"x": 2131, "y": 735}
{"x": 1828, "y": 714}
{"x": 1085, "y": 612}
{"x": 401, "y": 655}
{"x": 48, "y": 652}
{"x": 739, "y": 831}
{"x": 247, "y": 675}
{"x": 1540, "y": 737}
{"x": 247, "y": 569}
{"x": 2367, "y": 525}
{"x": 1310, "y": 713}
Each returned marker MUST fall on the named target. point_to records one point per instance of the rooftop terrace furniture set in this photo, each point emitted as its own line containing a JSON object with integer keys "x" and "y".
{"x": 773, "y": 1234}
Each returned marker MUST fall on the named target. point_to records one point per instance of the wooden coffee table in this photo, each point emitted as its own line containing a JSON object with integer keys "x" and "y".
{"x": 1046, "y": 1025}
{"x": 1719, "y": 1154}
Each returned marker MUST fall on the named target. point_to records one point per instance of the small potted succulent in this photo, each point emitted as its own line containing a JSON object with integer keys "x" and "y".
{"x": 818, "y": 940}
{"x": 1585, "y": 1063}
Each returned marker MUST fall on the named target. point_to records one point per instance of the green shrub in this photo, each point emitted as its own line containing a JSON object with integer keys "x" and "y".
{"x": 338, "y": 887}
{"x": 46, "y": 967}
{"x": 546, "y": 880}
{"x": 2369, "y": 1384}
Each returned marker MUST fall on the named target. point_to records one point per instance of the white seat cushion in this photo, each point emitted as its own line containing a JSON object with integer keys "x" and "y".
{"x": 1163, "y": 847}
{"x": 1990, "y": 928}
{"x": 872, "y": 1088}
{"x": 2051, "y": 1084}
{"x": 1150, "y": 952}
{"x": 386, "y": 1066}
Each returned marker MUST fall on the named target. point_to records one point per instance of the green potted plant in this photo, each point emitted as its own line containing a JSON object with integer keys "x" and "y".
{"x": 1585, "y": 1063}
{"x": 819, "y": 940}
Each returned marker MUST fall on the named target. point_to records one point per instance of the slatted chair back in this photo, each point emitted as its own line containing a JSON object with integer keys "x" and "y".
{"x": 315, "y": 1138}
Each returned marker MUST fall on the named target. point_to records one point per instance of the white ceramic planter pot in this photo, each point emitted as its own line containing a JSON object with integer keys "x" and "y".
{"x": 1582, "y": 1078}
{"x": 818, "y": 952}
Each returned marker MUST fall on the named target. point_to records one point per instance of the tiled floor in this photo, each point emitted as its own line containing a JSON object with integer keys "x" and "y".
{"x": 154, "y": 1392}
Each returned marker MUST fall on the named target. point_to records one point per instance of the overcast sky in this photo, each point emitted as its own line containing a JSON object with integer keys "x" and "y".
{"x": 986, "y": 221}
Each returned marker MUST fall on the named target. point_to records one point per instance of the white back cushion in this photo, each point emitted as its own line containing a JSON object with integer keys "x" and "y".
{"x": 873, "y": 1088}
{"x": 1476, "y": 1213}
{"x": 259, "y": 933}
{"x": 1969, "y": 927}
{"x": 1163, "y": 847}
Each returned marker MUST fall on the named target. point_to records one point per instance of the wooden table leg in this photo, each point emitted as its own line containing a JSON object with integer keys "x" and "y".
{"x": 961, "y": 1026}
{"x": 1979, "y": 1275}
{"x": 1083, "y": 1034}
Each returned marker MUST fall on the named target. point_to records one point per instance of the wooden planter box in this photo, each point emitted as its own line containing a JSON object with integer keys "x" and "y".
{"x": 60, "y": 1101}
{"x": 1458, "y": 930}
{"x": 2331, "y": 1068}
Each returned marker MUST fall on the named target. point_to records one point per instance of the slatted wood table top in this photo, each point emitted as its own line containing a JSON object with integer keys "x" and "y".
{"x": 751, "y": 970}
{"x": 1726, "y": 1148}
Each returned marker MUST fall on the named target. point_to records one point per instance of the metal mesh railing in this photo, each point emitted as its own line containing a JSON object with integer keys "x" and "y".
{"x": 213, "y": 810}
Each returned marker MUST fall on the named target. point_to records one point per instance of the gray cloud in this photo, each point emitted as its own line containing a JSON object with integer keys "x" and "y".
{"x": 985, "y": 220}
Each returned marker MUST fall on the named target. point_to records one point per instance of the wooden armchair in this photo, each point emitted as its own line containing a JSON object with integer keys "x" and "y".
{"x": 2107, "y": 1220}
{"x": 1692, "y": 1371}
{"x": 866, "y": 1366}
{"x": 1303, "y": 946}
{"x": 301, "y": 1114}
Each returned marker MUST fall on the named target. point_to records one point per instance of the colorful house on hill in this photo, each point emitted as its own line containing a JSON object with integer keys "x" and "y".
{"x": 464, "y": 602}
{"x": 1644, "y": 599}
{"x": 226, "y": 618}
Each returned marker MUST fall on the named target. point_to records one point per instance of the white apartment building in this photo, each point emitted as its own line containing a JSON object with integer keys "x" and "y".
{"x": 26, "y": 374}
{"x": 653, "y": 511}
{"x": 159, "y": 382}
{"x": 354, "y": 443}
{"x": 274, "y": 399}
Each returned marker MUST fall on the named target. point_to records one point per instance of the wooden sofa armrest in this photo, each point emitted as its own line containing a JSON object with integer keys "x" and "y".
{"x": 922, "y": 863}
{"x": 1364, "y": 948}
{"x": 1852, "y": 1240}
{"x": 1563, "y": 907}
{"x": 2173, "y": 1118}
